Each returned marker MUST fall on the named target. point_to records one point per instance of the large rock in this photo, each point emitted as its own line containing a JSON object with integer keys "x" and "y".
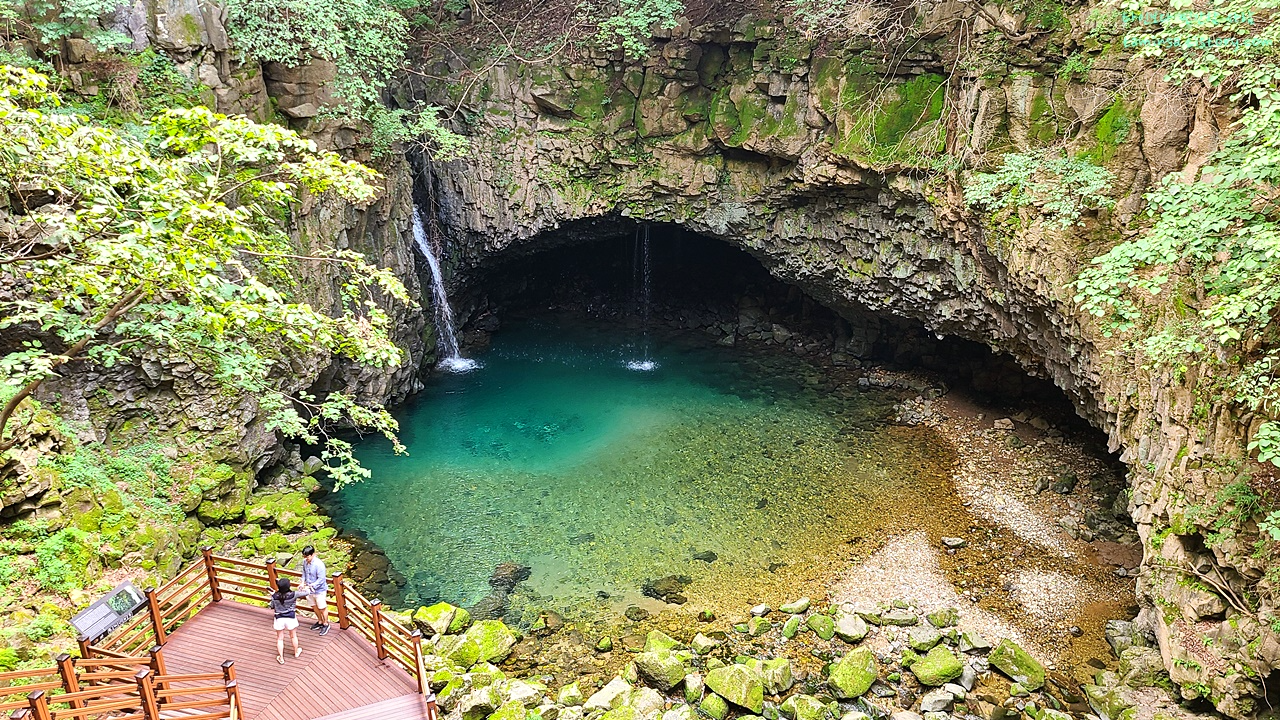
{"x": 609, "y": 696}
{"x": 850, "y": 627}
{"x": 938, "y": 667}
{"x": 493, "y": 639}
{"x": 739, "y": 685}
{"x": 853, "y": 674}
{"x": 1010, "y": 659}
{"x": 776, "y": 674}
{"x": 660, "y": 668}
{"x": 480, "y": 703}
{"x": 658, "y": 640}
{"x": 805, "y": 707}
{"x": 436, "y": 618}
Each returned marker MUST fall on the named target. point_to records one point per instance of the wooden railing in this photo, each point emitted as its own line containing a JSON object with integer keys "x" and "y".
{"x": 71, "y": 675}
{"x": 106, "y": 692}
{"x": 213, "y": 578}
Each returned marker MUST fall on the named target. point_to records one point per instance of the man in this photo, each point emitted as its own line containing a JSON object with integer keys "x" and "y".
{"x": 315, "y": 587}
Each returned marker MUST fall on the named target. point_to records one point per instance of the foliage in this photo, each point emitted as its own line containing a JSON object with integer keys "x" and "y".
{"x": 1076, "y": 65}
{"x": 366, "y": 40}
{"x": 629, "y": 26}
{"x": 1062, "y": 187}
{"x": 48, "y": 21}
{"x": 61, "y": 559}
{"x": 837, "y": 18}
{"x": 173, "y": 244}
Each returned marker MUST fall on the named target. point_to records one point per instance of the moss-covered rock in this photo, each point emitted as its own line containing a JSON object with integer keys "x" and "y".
{"x": 435, "y": 618}
{"x": 853, "y": 674}
{"x": 493, "y": 639}
{"x": 658, "y": 640}
{"x": 944, "y": 618}
{"x": 714, "y": 707}
{"x": 805, "y": 707}
{"x": 739, "y": 685}
{"x": 938, "y": 667}
{"x": 510, "y": 710}
{"x": 822, "y": 626}
{"x": 660, "y": 668}
{"x": 571, "y": 695}
{"x": 1009, "y": 658}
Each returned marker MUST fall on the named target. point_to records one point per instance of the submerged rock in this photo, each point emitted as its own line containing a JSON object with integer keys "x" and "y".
{"x": 667, "y": 589}
{"x": 635, "y": 613}
{"x": 507, "y": 575}
{"x": 706, "y": 556}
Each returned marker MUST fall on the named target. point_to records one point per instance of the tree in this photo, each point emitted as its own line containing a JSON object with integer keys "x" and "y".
{"x": 175, "y": 242}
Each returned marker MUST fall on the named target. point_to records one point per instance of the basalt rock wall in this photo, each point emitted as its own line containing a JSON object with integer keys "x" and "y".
{"x": 831, "y": 168}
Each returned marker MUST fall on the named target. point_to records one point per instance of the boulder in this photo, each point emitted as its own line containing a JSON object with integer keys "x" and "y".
{"x": 660, "y": 668}
{"x": 436, "y": 618}
{"x": 647, "y": 702}
{"x": 853, "y": 674}
{"x": 739, "y": 685}
{"x": 679, "y": 712}
{"x": 938, "y": 667}
{"x": 936, "y": 700}
{"x": 622, "y": 712}
{"x": 570, "y": 695}
{"x": 658, "y": 640}
{"x": 493, "y": 639}
{"x": 971, "y": 640}
{"x": 822, "y": 625}
{"x": 1017, "y": 664}
{"x": 693, "y": 688}
{"x": 510, "y": 710}
{"x": 944, "y": 618}
{"x": 714, "y": 707}
{"x": 609, "y": 696}
{"x": 758, "y": 626}
{"x": 850, "y": 627}
{"x": 1141, "y": 666}
{"x": 804, "y": 707}
{"x": 480, "y": 703}
{"x": 795, "y": 607}
{"x": 791, "y": 627}
{"x": 702, "y": 644}
{"x": 924, "y": 637}
{"x": 899, "y": 617}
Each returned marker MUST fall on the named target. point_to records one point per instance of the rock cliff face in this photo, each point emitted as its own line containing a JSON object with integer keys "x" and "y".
{"x": 824, "y": 166}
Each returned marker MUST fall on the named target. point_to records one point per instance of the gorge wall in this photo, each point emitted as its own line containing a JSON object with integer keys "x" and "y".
{"x": 741, "y": 131}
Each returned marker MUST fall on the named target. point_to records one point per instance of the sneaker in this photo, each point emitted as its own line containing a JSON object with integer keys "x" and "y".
{"x": 324, "y": 629}
{"x": 317, "y": 626}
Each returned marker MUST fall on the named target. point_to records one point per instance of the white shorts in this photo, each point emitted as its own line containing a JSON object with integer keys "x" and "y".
{"x": 286, "y": 623}
{"x": 318, "y": 600}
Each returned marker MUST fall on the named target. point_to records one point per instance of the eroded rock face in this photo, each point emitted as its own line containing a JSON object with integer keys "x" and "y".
{"x": 723, "y": 132}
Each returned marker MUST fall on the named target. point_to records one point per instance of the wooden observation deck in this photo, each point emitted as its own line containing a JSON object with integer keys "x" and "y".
{"x": 203, "y": 649}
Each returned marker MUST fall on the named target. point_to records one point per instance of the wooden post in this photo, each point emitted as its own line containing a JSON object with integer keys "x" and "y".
{"x": 158, "y": 670}
{"x": 147, "y": 695}
{"x": 340, "y": 601}
{"x": 21, "y": 714}
{"x": 233, "y": 699}
{"x": 228, "y": 671}
{"x": 39, "y": 705}
{"x": 415, "y": 639}
{"x": 376, "y": 608}
{"x": 271, "y": 575}
{"x": 85, "y": 650}
{"x": 70, "y": 683}
{"x": 432, "y": 711}
{"x": 157, "y": 620}
{"x": 214, "y": 593}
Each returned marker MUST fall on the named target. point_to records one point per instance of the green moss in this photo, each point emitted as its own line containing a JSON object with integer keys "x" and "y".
{"x": 1110, "y": 132}
{"x": 1043, "y": 126}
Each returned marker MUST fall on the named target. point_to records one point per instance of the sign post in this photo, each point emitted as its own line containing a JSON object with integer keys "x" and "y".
{"x": 109, "y": 612}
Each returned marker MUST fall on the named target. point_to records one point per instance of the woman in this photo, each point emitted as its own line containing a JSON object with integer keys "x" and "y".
{"x": 284, "y": 602}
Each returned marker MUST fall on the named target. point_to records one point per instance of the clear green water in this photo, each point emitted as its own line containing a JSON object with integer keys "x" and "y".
{"x": 556, "y": 456}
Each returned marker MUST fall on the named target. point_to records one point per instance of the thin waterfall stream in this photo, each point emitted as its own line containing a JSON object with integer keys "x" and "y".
{"x": 452, "y": 359}
{"x": 642, "y": 280}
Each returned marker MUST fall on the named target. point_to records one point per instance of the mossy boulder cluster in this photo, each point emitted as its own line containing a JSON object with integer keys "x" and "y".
{"x": 772, "y": 676}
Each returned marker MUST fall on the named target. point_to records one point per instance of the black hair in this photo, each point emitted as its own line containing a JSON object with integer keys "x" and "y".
{"x": 283, "y": 588}
{"x": 308, "y": 550}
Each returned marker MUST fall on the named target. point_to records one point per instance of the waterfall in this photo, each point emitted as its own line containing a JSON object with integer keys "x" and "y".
{"x": 642, "y": 282}
{"x": 452, "y": 359}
